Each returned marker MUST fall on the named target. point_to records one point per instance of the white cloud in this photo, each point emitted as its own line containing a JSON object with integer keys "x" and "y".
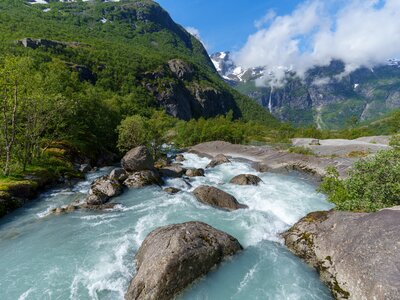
{"x": 360, "y": 33}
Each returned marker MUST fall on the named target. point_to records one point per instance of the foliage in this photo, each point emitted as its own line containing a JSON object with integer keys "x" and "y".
{"x": 373, "y": 183}
{"x": 78, "y": 90}
{"x": 152, "y": 132}
{"x": 301, "y": 150}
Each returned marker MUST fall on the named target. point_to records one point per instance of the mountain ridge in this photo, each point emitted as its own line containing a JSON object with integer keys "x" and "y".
{"x": 324, "y": 97}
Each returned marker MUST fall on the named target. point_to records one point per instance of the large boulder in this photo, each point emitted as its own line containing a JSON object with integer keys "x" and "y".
{"x": 143, "y": 178}
{"x": 193, "y": 172}
{"x": 174, "y": 256}
{"x": 102, "y": 190}
{"x": 218, "y": 160}
{"x": 246, "y": 179}
{"x": 137, "y": 159}
{"x": 356, "y": 254}
{"x": 217, "y": 198}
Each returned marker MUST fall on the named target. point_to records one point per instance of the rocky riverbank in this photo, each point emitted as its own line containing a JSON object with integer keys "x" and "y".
{"x": 356, "y": 254}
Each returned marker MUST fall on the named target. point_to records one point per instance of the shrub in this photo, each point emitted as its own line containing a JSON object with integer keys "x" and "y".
{"x": 301, "y": 150}
{"x": 373, "y": 184}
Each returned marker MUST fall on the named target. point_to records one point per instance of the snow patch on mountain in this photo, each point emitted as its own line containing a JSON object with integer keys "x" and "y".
{"x": 227, "y": 68}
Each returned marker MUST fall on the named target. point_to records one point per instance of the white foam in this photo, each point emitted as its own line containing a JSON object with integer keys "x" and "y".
{"x": 26, "y": 294}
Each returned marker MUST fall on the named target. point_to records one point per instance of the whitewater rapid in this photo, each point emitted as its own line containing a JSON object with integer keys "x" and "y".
{"x": 90, "y": 255}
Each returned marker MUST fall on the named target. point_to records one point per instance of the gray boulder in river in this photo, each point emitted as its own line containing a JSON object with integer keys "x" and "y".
{"x": 173, "y": 171}
{"x": 102, "y": 190}
{"x": 246, "y": 179}
{"x": 172, "y": 257}
{"x": 193, "y": 172}
{"x": 137, "y": 159}
{"x": 215, "y": 197}
{"x": 143, "y": 178}
{"x": 356, "y": 254}
{"x": 218, "y": 160}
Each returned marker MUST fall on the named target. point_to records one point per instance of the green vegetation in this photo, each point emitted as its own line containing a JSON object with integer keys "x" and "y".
{"x": 301, "y": 150}
{"x": 76, "y": 84}
{"x": 159, "y": 128}
{"x": 138, "y": 130}
{"x": 373, "y": 183}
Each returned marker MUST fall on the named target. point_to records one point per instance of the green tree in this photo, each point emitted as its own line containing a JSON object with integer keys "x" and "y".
{"x": 14, "y": 92}
{"x": 132, "y": 132}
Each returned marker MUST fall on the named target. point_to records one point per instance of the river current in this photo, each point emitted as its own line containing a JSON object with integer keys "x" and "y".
{"x": 90, "y": 255}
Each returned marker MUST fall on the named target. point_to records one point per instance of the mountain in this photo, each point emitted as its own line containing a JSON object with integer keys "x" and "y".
{"x": 232, "y": 73}
{"x": 130, "y": 49}
{"x": 323, "y": 98}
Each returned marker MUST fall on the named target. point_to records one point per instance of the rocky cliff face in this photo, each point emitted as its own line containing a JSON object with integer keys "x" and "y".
{"x": 130, "y": 48}
{"x": 184, "y": 96}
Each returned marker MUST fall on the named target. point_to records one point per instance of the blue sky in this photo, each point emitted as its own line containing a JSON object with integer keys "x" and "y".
{"x": 223, "y": 24}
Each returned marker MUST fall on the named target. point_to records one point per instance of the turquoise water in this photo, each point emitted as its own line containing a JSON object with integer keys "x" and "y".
{"x": 90, "y": 255}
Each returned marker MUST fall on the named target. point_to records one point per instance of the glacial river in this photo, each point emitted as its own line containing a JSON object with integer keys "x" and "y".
{"x": 90, "y": 255}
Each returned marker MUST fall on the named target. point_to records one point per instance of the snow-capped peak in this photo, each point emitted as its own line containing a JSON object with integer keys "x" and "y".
{"x": 230, "y": 71}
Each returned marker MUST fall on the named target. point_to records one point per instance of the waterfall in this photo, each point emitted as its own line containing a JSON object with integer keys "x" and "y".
{"x": 270, "y": 99}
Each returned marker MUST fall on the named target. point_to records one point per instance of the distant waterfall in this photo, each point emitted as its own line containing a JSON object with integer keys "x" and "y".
{"x": 270, "y": 100}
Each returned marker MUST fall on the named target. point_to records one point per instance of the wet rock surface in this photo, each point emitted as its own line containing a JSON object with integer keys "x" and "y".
{"x": 172, "y": 257}
{"x": 143, "y": 178}
{"x": 118, "y": 174}
{"x": 215, "y": 197}
{"x": 172, "y": 190}
{"x": 356, "y": 254}
{"x": 102, "y": 190}
{"x": 218, "y": 160}
{"x": 193, "y": 172}
{"x": 246, "y": 179}
{"x": 173, "y": 171}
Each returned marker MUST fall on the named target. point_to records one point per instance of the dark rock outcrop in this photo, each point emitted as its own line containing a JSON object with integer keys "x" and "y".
{"x": 84, "y": 168}
{"x": 172, "y": 257}
{"x": 246, "y": 179}
{"x": 143, "y": 178}
{"x": 181, "y": 69}
{"x": 174, "y": 171}
{"x": 193, "y": 172}
{"x": 137, "y": 159}
{"x": 356, "y": 254}
{"x": 102, "y": 190}
{"x": 172, "y": 190}
{"x": 218, "y": 160}
{"x": 118, "y": 174}
{"x": 215, "y": 197}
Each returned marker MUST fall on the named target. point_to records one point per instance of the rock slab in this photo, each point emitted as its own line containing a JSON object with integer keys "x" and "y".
{"x": 172, "y": 257}
{"x": 215, "y": 197}
{"x": 356, "y": 254}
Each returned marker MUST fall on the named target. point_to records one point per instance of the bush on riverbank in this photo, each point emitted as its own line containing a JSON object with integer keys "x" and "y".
{"x": 373, "y": 184}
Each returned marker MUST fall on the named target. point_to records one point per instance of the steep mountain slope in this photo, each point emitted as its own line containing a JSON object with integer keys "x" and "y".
{"x": 323, "y": 97}
{"x": 131, "y": 49}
